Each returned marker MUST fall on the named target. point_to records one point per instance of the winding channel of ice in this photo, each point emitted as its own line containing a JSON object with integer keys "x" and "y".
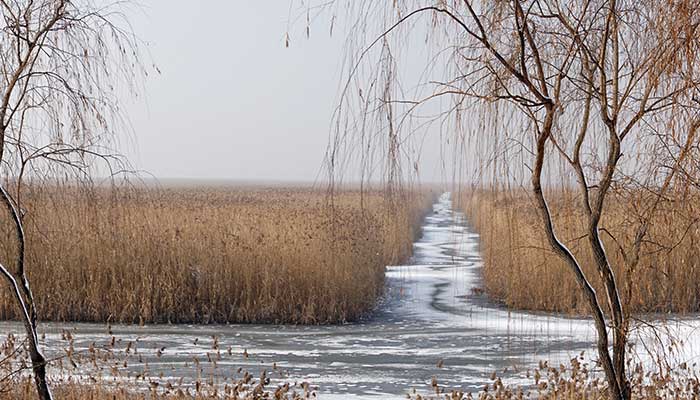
{"x": 432, "y": 313}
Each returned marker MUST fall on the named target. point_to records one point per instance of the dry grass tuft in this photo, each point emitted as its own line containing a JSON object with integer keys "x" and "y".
{"x": 113, "y": 369}
{"x": 26, "y": 391}
{"x": 216, "y": 254}
{"x": 579, "y": 381}
{"x": 521, "y": 271}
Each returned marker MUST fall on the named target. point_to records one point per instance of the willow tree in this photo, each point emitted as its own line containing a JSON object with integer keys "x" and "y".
{"x": 599, "y": 95}
{"x": 65, "y": 64}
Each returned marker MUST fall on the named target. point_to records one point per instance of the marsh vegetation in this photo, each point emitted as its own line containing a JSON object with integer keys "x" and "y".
{"x": 521, "y": 271}
{"x": 212, "y": 254}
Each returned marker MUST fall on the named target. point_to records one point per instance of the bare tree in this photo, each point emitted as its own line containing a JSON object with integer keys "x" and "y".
{"x": 598, "y": 94}
{"x": 65, "y": 64}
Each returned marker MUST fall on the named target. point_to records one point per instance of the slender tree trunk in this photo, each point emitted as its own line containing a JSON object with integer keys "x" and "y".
{"x": 602, "y": 262}
{"x": 617, "y": 315}
{"x": 25, "y": 301}
{"x": 609, "y": 367}
{"x": 38, "y": 364}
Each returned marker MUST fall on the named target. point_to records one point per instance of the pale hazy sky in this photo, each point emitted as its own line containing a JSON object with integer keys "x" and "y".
{"x": 232, "y": 102}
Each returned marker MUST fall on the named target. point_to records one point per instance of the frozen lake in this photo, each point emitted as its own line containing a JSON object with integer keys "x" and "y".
{"x": 434, "y": 314}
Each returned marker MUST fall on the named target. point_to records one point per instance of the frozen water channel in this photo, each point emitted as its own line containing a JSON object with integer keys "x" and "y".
{"x": 433, "y": 314}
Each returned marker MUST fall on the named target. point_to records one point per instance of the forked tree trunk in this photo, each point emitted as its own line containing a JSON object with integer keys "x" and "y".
{"x": 617, "y": 381}
{"x": 25, "y": 300}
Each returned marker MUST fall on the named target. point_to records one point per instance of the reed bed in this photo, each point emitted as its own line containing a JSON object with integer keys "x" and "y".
{"x": 521, "y": 271}
{"x": 211, "y": 254}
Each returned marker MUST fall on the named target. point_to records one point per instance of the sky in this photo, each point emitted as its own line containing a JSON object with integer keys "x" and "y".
{"x": 231, "y": 101}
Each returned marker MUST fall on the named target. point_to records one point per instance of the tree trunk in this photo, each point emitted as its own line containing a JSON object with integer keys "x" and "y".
{"x": 25, "y": 301}
{"x": 616, "y": 311}
{"x": 609, "y": 367}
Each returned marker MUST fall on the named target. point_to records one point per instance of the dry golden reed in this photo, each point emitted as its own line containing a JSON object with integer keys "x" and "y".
{"x": 26, "y": 391}
{"x": 114, "y": 370}
{"x": 101, "y": 373}
{"x": 574, "y": 382}
{"x": 521, "y": 271}
{"x": 579, "y": 380}
{"x": 211, "y": 254}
